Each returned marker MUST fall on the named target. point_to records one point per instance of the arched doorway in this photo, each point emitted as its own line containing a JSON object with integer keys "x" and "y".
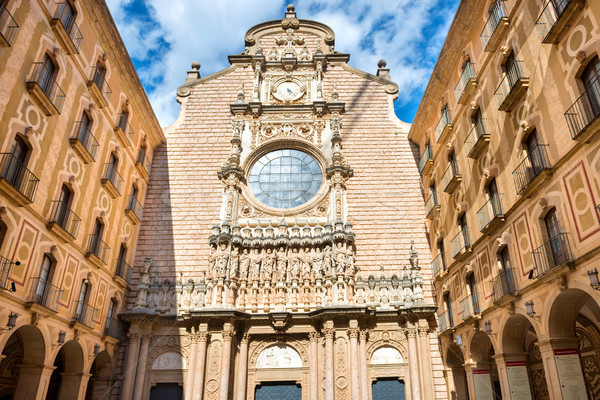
{"x": 486, "y": 382}
{"x": 519, "y": 344}
{"x": 24, "y": 351}
{"x": 98, "y": 386}
{"x": 65, "y": 381}
{"x": 458, "y": 381}
{"x": 575, "y": 314}
{"x": 387, "y": 365}
{"x": 278, "y": 369}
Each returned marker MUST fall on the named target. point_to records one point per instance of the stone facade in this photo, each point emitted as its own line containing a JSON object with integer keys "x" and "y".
{"x": 234, "y": 294}
{"x": 68, "y": 221}
{"x": 508, "y": 129}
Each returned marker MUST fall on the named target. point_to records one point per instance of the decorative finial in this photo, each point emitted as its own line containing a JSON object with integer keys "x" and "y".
{"x": 382, "y": 63}
{"x": 334, "y": 94}
{"x": 240, "y": 95}
{"x": 195, "y": 65}
{"x": 291, "y": 8}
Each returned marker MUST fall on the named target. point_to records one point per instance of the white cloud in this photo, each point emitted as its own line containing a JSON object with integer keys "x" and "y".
{"x": 181, "y": 31}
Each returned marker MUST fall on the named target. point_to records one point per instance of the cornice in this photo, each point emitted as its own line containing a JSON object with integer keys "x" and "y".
{"x": 112, "y": 43}
{"x": 390, "y": 87}
{"x": 184, "y": 90}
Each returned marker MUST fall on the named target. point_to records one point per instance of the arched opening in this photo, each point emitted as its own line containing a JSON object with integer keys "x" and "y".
{"x": 65, "y": 380}
{"x": 457, "y": 377}
{"x": 486, "y": 381}
{"x": 22, "y": 363}
{"x": 385, "y": 361}
{"x": 575, "y": 314}
{"x": 99, "y": 385}
{"x": 522, "y": 355}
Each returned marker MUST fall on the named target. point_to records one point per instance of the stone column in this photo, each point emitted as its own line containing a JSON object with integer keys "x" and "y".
{"x": 314, "y": 365}
{"x": 33, "y": 381}
{"x": 141, "y": 369}
{"x": 364, "y": 374}
{"x": 564, "y": 347}
{"x": 189, "y": 381}
{"x": 225, "y": 360}
{"x": 329, "y": 333}
{"x": 130, "y": 367}
{"x": 242, "y": 372}
{"x": 501, "y": 361}
{"x": 413, "y": 361}
{"x": 425, "y": 357}
{"x": 198, "y": 391}
{"x": 354, "y": 366}
{"x": 73, "y": 385}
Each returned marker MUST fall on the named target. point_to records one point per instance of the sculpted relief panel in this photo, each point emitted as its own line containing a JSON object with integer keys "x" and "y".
{"x": 279, "y": 356}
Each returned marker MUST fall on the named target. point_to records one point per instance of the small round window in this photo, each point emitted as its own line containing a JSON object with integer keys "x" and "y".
{"x": 285, "y": 178}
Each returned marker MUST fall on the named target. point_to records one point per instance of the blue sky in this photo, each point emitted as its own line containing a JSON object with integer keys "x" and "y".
{"x": 163, "y": 37}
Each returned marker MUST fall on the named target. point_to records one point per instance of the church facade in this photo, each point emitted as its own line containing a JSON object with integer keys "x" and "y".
{"x": 283, "y": 252}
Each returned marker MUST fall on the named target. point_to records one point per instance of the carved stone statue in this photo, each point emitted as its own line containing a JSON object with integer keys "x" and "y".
{"x": 255, "y": 265}
{"x": 244, "y": 264}
{"x": 268, "y": 264}
{"x": 295, "y": 261}
{"x": 340, "y": 259}
{"x": 317, "y": 263}
{"x": 235, "y": 258}
{"x": 212, "y": 259}
{"x": 306, "y": 260}
{"x": 273, "y": 54}
{"x": 304, "y": 55}
{"x": 222, "y": 259}
{"x": 327, "y": 260}
{"x": 351, "y": 269}
{"x": 281, "y": 265}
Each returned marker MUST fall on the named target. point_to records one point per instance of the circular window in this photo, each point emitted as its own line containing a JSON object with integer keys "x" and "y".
{"x": 285, "y": 178}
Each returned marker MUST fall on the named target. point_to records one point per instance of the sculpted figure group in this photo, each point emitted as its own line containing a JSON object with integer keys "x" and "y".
{"x": 282, "y": 263}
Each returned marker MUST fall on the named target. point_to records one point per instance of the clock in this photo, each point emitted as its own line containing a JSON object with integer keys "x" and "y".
{"x": 288, "y": 91}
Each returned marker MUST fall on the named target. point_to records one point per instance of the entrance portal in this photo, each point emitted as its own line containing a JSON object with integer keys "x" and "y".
{"x": 278, "y": 391}
{"x": 166, "y": 391}
{"x": 388, "y": 389}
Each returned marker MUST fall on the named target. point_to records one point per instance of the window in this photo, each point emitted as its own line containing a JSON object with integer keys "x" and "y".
{"x": 440, "y": 247}
{"x": 534, "y": 152}
{"x": 110, "y": 312}
{"x": 448, "y": 305}
{"x": 124, "y": 120}
{"x": 507, "y": 269}
{"x": 83, "y": 132}
{"x": 472, "y": 292}
{"x": 133, "y": 198}
{"x": 111, "y": 169}
{"x": 83, "y": 297}
{"x": 433, "y": 193}
{"x": 122, "y": 252}
{"x": 477, "y": 120}
{"x": 67, "y": 16}
{"x": 14, "y": 165}
{"x": 492, "y": 190}
{"x": 96, "y": 237}
{"x": 64, "y": 206}
{"x": 285, "y": 178}
{"x": 3, "y": 232}
{"x": 142, "y": 155}
{"x": 100, "y": 76}
{"x": 552, "y": 224}
{"x": 47, "y": 75}
{"x": 44, "y": 278}
{"x": 590, "y": 76}
{"x": 512, "y": 70}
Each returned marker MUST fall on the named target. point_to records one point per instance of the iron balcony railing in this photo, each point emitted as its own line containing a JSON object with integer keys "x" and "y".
{"x": 449, "y": 175}
{"x": 123, "y": 270}
{"x": 144, "y": 161}
{"x": 43, "y": 293}
{"x": 547, "y": 19}
{"x": 446, "y": 320}
{"x": 477, "y": 133}
{"x": 45, "y": 79}
{"x": 64, "y": 217}
{"x": 439, "y": 263}
{"x": 554, "y": 253}
{"x": 504, "y": 284}
{"x": 6, "y": 267}
{"x": 8, "y": 25}
{"x": 425, "y": 157}
{"x": 469, "y": 306}
{"x": 514, "y": 73}
{"x": 112, "y": 175}
{"x": 125, "y": 127}
{"x": 598, "y": 211}
{"x": 585, "y": 110}
{"x": 534, "y": 163}
{"x": 64, "y": 14}
{"x": 430, "y": 204}
{"x": 134, "y": 206}
{"x": 495, "y": 16}
{"x": 460, "y": 242}
{"x": 490, "y": 210}
{"x": 18, "y": 176}
{"x": 444, "y": 121}
{"x": 85, "y": 314}
{"x": 82, "y": 133}
{"x": 466, "y": 76}
{"x": 98, "y": 247}
{"x": 99, "y": 79}
{"x": 113, "y": 328}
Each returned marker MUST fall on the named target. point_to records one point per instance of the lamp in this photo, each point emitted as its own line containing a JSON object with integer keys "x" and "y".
{"x": 529, "y": 308}
{"x": 594, "y": 282}
{"x": 61, "y": 337}
{"x": 459, "y": 340}
{"x": 487, "y": 327}
{"x": 96, "y": 349}
{"x": 11, "y": 323}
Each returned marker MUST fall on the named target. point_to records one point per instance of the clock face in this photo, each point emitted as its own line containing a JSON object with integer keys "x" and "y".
{"x": 288, "y": 91}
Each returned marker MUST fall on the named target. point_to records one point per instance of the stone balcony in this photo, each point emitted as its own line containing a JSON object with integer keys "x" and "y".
{"x": 495, "y": 27}
{"x": 18, "y": 182}
{"x": 512, "y": 87}
{"x": 556, "y": 19}
{"x": 65, "y": 28}
{"x": 582, "y": 116}
{"x": 8, "y": 27}
{"x": 466, "y": 84}
{"x": 477, "y": 140}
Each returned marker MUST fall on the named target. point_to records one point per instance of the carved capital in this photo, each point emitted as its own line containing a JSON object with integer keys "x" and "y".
{"x": 329, "y": 333}
{"x": 364, "y": 335}
{"x": 314, "y": 336}
{"x": 202, "y": 336}
{"x": 145, "y": 338}
{"x": 353, "y": 332}
{"x": 245, "y": 338}
{"x": 423, "y": 331}
{"x": 411, "y": 332}
{"x": 227, "y": 335}
{"x": 133, "y": 337}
